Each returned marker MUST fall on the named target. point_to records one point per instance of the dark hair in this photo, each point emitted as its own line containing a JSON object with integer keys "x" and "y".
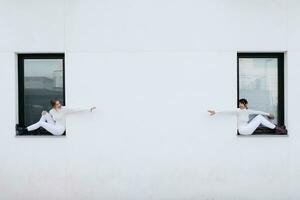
{"x": 53, "y": 102}
{"x": 244, "y": 101}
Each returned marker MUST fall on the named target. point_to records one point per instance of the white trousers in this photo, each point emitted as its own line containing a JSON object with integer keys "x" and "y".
{"x": 47, "y": 123}
{"x": 254, "y": 124}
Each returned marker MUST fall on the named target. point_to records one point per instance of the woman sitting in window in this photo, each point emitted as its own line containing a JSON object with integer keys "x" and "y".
{"x": 244, "y": 126}
{"x": 54, "y": 121}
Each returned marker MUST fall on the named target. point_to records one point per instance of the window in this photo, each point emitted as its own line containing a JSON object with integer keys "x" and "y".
{"x": 40, "y": 78}
{"x": 261, "y": 82}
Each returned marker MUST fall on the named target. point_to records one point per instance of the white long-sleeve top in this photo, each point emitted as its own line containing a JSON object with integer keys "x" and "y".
{"x": 243, "y": 115}
{"x": 59, "y": 115}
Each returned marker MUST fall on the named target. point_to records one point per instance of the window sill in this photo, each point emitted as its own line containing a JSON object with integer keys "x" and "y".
{"x": 264, "y": 132}
{"x": 263, "y": 135}
{"x": 39, "y": 132}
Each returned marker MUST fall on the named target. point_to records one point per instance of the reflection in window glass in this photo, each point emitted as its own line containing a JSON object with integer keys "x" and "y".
{"x": 258, "y": 83}
{"x": 43, "y": 80}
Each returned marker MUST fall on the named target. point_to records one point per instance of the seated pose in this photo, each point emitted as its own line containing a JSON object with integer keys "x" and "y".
{"x": 55, "y": 121}
{"x": 244, "y": 126}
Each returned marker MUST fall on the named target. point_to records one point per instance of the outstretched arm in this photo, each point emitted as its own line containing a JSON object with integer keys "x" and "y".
{"x": 76, "y": 110}
{"x": 213, "y": 112}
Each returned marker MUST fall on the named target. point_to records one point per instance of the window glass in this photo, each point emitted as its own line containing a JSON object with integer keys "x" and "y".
{"x": 258, "y": 83}
{"x": 43, "y": 80}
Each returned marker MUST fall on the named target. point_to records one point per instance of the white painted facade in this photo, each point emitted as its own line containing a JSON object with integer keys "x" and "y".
{"x": 152, "y": 68}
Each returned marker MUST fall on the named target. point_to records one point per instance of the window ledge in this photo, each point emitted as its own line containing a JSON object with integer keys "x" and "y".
{"x": 263, "y": 135}
{"x": 265, "y": 132}
{"x": 39, "y": 132}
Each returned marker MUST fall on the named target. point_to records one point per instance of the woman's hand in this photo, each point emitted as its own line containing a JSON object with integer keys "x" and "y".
{"x": 211, "y": 112}
{"x": 44, "y": 112}
{"x": 92, "y": 108}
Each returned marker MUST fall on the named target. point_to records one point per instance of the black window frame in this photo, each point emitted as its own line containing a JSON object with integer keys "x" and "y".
{"x": 280, "y": 70}
{"x": 21, "y": 84}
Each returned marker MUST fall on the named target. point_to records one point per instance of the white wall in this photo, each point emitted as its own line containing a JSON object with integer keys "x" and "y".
{"x": 152, "y": 68}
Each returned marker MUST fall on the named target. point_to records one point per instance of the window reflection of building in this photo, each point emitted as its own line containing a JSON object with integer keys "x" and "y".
{"x": 58, "y": 80}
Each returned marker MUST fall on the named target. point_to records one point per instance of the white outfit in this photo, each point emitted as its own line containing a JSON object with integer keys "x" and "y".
{"x": 244, "y": 126}
{"x": 54, "y": 121}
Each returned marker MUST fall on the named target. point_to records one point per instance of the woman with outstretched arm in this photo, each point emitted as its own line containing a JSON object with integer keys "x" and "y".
{"x": 54, "y": 121}
{"x": 246, "y": 127}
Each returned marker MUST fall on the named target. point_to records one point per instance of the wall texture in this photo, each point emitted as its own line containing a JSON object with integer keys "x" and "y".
{"x": 152, "y": 68}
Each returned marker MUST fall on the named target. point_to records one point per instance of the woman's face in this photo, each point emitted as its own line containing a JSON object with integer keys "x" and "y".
{"x": 242, "y": 106}
{"x": 57, "y": 105}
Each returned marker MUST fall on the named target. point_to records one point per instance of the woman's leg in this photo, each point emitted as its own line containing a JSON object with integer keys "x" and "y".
{"x": 47, "y": 123}
{"x": 254, "y": 124}
{"x": 37, "y": 125}
{"x": 265, "y": 122}
{"x": 33, "y": 126}
{"x": 51, "y": 128}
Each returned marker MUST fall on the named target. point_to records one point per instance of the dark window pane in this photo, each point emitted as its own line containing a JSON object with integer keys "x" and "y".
{"x": 43, "y": 80}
